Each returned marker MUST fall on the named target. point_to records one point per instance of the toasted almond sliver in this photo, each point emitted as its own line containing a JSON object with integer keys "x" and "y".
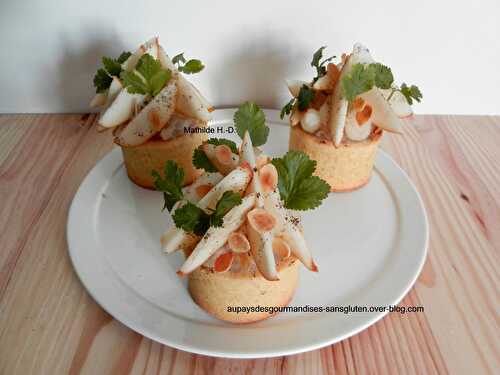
{"x": 268, "y": 177}
{"x": 281, "y": 249}
{"x": 261, "y": 220}
{"x": 223, "y": 154}
{"x": 364, "y": 115}
{"x": 238, "y": 242}
{"x": 223, "y": 263}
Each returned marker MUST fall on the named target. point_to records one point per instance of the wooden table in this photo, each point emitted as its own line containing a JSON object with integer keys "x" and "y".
{"x": 50, "y": 325}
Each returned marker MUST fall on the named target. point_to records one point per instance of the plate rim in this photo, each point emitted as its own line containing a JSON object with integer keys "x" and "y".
{"x": 225, "y": 116}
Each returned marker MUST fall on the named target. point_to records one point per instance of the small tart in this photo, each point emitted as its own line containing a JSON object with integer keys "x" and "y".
{"x": 142, "y": 159}
{"x": 216, "y": 292}
{"x": 346, "y": 167}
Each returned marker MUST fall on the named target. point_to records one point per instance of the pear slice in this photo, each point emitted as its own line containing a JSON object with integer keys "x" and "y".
{"x": 216, "y": 237}
{"x": 193, "y": 192}
{"x": 152, "y": 118}
{"x": 191, "y": 103}
{"x": 237, "y": 180}
{"x": 398, "y": 103}
{"x": 311, "y": 120}
{"x": 383, "y": 116}
{"x": 98, "y": 100}
{"x": 120, "y": 110}
{"x": 151, "y": 47}
{"x": 358, "y": 123}
{"x": 221, "y": 157}
{"x": 261, "y": 242}
{"x": 177, "y": 126}
{"x": 324, "y": 83}
{"x": 338, "y": 104}
{"x": 292, "y": 233}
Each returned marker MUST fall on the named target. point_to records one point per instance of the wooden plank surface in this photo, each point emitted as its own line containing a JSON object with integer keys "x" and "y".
{"x": 49, "y": 324}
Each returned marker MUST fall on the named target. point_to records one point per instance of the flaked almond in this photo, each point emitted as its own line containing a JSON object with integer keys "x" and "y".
{"x": 358, "y": 104}
{"x": 268, "y": 177}
{"x": 238, "y": 242}
{"x": 261, "y": 220}
{"x": 223, "y": 262}
{"x": 364, "y": 115}
{"x": 224, "y": 154}
{"x": 202, "y": 190}
{"x": 281, "y": 249}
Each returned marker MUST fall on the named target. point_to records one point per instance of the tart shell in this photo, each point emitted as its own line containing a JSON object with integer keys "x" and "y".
{"x": 141, "y": 160}
{"x": 346, "y": 167}
{"x": 216, "y": 292}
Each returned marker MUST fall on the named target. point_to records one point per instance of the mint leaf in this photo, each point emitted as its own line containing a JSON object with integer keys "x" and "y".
{"x": 411, "y": 93}
{"x": 191, "y": 219}
{"x": 228, "y": 200}
{"x": 305, "y": 97}
{"x": 201, "y": 161}
{"x": 298, "y": 188}
{"x": 171, "y": 184}
{"x": 359, "y": 80}
{"x": 224, "y": 141}
{"x": 249, "y": 117}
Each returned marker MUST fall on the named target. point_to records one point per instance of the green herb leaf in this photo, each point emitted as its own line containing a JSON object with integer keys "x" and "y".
{"x": 201, "y": 161}
{"x": 299, "y": 189}
{"x": 171, "y": 184}
{"x": 192, "y": 219}
{"x": 383, "y": 75}
{"x": 192, "y": 66}
{"x": 250, "y": 117}
{"x": 148, "y": 77}
{"x": 318, "y": 64}
{"x": 305, "y": 97}
{"x": 317, "y": 57}
{"x": 411, "y": 93}
{"x": 359, "y": 80}
{"x": 224, "y": 141}
{"x": 287, "y": 109}
{"x": 102, "y": 81}
{"x": 179, "y": 58}
{"x": 112, "y": 67}
{"x": 228, "y": 200}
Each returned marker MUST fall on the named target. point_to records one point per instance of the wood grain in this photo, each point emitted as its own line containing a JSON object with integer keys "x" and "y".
{"x": 49, "y": 324}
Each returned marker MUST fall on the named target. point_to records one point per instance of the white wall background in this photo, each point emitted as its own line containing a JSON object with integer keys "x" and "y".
{"x": 50, "y": 49}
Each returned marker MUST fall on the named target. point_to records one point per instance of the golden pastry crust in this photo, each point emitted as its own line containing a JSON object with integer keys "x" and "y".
{"x": 142, "y": 159}
{"x": 345, "y": 168}
{"x": 215, "y": 292}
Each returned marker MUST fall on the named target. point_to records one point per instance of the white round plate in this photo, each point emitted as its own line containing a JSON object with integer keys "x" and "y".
{"x": 369, "y": 245}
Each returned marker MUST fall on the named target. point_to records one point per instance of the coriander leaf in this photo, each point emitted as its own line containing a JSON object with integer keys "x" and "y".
{"x": 102, "y": 81}
{"x": 123, "y": 57}
{"x": 158, "y": 81}
{"x": 148, "y": 77}
{"x": 134, "y": 83}
{"x": 228, "y": 200}
{"x": 192, "y": 219}
{"x": 305, "y": 97}
{"x": 224, "y": 141}
{"x": 113, "y": 67}
{"x": 359, "y": 80}
{"x": 192, "y": 66}
{"x": 201, "y": 161}
{"x": 250, "y": 117}
{"x": 179, "y": 58}
{"x": 299, "y": 189}
{"x": 383, "y": 75}
{"x": 411, "y": 93}
{"x": 148, "y": 66}
{"x": 171, "y": 185}
{"x": 287, "y": 109}
{"x": 317, "y": 57}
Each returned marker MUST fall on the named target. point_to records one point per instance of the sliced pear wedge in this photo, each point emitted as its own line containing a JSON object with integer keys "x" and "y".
{"x": 398, "y": 103}
{"x": 120, "y": 110}
{"x": 221, "y": 157}
{"x": 152, "y": 118}
{"x": 383, "y": 116}
{"x": 237, "y": 180}
{"x": 151, "y": 47}
{"x": 191, "y": 103}
{"x": 216, "y": 237}
{"x": 292, "y": 234}
{"x": 261, "y": 243}
{"x": 198, "y": 189}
